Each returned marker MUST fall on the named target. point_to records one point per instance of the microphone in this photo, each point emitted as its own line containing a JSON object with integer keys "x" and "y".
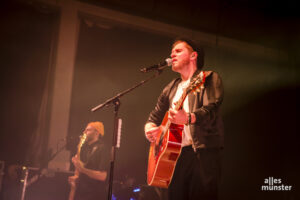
{"x": 159, "y": 66}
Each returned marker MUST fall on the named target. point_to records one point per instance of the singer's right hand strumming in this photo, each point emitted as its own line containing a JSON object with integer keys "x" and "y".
{"x": 151, "y": 131}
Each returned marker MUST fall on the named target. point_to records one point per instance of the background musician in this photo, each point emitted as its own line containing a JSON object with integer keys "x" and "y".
{"x": 91, "y": 168}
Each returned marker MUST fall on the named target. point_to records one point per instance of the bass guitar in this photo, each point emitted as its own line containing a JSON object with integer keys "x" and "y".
{"x": 73, "y": 186}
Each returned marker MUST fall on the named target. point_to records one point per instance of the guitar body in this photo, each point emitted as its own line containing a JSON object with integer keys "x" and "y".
{"x": 164, "y": 153}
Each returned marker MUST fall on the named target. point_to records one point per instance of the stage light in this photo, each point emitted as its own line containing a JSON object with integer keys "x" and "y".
{"x": 136, "y": 189}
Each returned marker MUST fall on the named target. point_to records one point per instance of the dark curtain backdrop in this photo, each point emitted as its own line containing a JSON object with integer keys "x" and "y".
{"x": 27, "y": 44}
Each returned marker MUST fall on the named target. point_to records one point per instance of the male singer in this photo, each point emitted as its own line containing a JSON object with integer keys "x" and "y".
{"x": 197, "y": 171}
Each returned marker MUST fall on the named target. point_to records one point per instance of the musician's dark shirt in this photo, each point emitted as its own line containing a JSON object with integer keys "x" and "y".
{"x": 94, "y": 157}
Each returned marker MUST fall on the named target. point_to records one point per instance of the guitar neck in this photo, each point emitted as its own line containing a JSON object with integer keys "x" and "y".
{"x": 179, "y": 103}
{"x": 81, "y": 142}
{"x": 78, "y": 152}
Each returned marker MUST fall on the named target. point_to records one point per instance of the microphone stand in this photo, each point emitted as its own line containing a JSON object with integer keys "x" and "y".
{"x": 116, "y": 102}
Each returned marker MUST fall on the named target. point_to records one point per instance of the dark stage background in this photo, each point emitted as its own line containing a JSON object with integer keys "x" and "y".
{"x": 260, "y": 108}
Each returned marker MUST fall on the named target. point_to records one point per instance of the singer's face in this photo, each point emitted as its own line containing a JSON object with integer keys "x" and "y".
{"x": 91, "y": 133}
{"x": 180, "y": 56}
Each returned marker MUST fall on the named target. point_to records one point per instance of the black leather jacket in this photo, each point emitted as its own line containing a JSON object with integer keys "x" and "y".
{"x": 207, "y": 131}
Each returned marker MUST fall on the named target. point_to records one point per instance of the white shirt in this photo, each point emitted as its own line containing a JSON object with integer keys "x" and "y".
{"x": 186, "y": 134}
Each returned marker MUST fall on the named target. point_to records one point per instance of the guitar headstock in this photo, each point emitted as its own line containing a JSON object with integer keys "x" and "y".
{"x": 82, "y": 140}
{"x": 196, "y": 83}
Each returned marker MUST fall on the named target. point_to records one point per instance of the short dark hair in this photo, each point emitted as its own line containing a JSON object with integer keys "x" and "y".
{"x": 198, "y": 49}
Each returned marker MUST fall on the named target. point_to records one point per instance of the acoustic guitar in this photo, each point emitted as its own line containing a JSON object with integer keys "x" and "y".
{"x": 164, "y": 152}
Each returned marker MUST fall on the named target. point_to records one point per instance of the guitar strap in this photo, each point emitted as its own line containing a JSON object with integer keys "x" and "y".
{"x": 200, "y": 94}
{"x": 202, "y": 88}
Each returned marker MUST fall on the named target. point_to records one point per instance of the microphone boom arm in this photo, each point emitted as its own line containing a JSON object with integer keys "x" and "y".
{"x": 119, "y": 95}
